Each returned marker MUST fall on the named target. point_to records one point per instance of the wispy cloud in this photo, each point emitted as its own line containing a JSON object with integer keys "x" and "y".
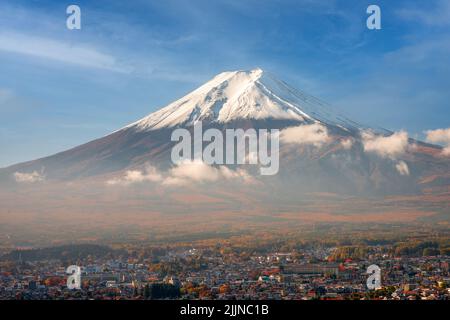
{"x": 149, "y": 174}
{"x": 199, "y": 172}
{"x": 420, "y": 52}
{"x": 5, "y": 95}
{"x": 57, "y": 50}
{"x": 32, "y": 177}
{"x": 436, "y": 15}
{"x": 402, "y": 168}
{"x": 441, "y": 136}
{"x": 186, "y": 173}
{"x": 347, "y": 143}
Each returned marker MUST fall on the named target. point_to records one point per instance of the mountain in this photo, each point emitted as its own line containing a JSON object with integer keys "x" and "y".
{"x": 231, "y": 99}
{"x": 331, "y": 169}
{"x": 238, "y": 95}
{"x": 322, "y": 154}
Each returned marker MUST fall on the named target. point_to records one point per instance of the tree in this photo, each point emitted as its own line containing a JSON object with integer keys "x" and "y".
{"x": 430, "y": 252}
{"x": 146, "y": 291}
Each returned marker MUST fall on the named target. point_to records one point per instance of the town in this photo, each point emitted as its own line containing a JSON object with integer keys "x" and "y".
{"x": 219, "y": 272}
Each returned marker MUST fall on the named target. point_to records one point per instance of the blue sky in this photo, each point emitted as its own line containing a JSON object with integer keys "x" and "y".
{"x": 60, "y": 88}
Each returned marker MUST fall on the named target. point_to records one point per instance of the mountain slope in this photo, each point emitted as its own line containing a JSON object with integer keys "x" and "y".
{"x": 231, "y": 99}
{"x": 253, "y": 99}
{"x": 238, "y": 95}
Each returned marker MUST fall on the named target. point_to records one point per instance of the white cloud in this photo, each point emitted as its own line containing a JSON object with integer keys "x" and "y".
{"x": 402, "y": 168}
{"x": 347, "y": 144}
{"x": 420, "y": 52}
{"x": 150, "y": 174}
{"x": 387, "y": 147}
{"x": 185, "y": 173}
{"x": 29, "y": 177}
{"x": 441, "y": 136}
{"x": 198, "y": 171}
{"x": 312, "y": 134}
{"x": 235, "y": 174}
{"x": 57, "y": 50}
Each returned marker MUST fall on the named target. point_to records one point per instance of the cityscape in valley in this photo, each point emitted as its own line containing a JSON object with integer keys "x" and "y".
{"x": 310, "y": 266}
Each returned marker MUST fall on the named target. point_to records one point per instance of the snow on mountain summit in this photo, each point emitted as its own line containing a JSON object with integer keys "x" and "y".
{"x": 237, "y": 95}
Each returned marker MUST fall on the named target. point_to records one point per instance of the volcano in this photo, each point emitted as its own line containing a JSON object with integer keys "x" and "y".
{"x": 321, "y": 153}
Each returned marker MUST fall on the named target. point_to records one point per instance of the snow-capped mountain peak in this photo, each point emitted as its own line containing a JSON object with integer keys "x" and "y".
{"x": 237, "y": 95}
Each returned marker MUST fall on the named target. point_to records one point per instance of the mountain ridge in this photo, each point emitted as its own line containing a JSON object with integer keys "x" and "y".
{"x": 238, "y": 95}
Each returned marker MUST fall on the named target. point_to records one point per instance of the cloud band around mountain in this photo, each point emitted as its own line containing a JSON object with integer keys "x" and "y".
{"x": 32, "y": 177}
{"x": 185, "y": 173}
{"x": 312, "y": 134}
{"x": 387, "y": 147}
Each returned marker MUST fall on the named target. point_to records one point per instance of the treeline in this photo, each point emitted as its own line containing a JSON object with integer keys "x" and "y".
{"x": 179, "y": 265}
{"x": 354, "y": 253}
{"x": 407, "y": 249}
{"x": 427, "y": 248}
{"x": 161, "y": 291}
{"x": 62, "y": 253}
